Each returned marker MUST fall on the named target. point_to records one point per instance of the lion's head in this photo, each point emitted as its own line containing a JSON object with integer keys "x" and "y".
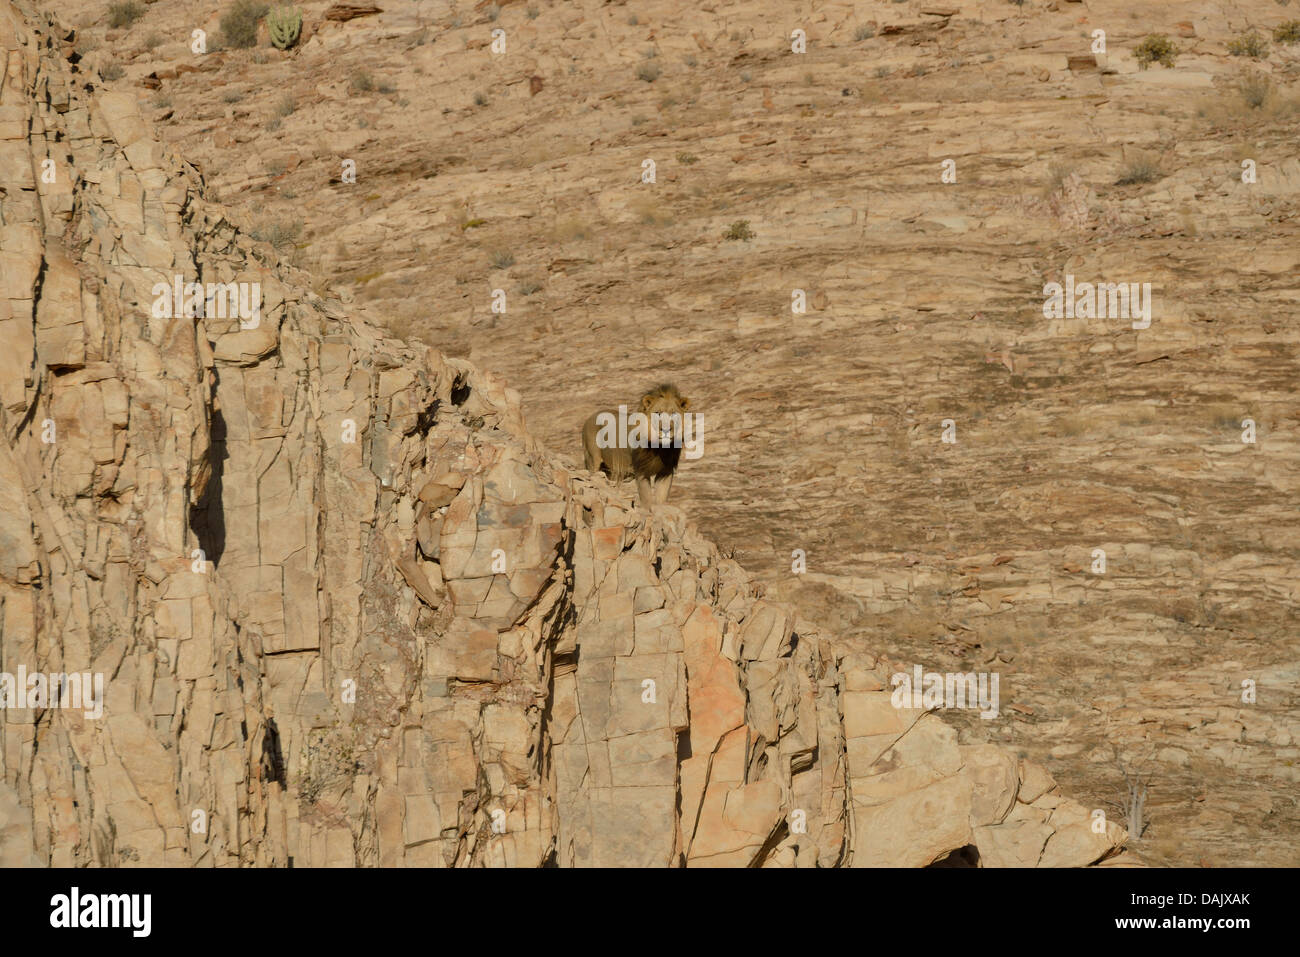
{"x": 665, "y": 406}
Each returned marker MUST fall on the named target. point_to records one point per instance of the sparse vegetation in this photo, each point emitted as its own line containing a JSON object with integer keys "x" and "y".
{"x": 239, "y": 23}
{"x": 1139, "y": 168}
{"x": 328, "y": 763}
{"x": 286, "y": 105}
{"x": 650, "y": 212}
{"x": 570, "y": 229}
{"x": 1288, "y": 32}
{"x": 1156, "y": 48}
{"x": 865, "y": 31}
{"x": 124, "y": 13}
{"x": 637, "y": 120}
{"x": 739, "y": 230}
{"x": 502, "y": 259}
{"x": 687, "y": 159}
{"x": 279, "y": 234}
{"x": 533, "y": 13}
{"x": 1137, "y": 782}
{"x": 163, "y": 101}
{"x": 112, "y": 70}
{"x": 472, "y": 224}
{"x": 1253, "y": 99}
{"x": 1057, "y": 174}
{"x": 493, "y": 11}
{"x": 361, "y": 82}
{"x": 153, "y": 41}
{"x": 529, "y": 288}
{"x": 1248, "y": 44}
{"x": 1255, "y": 88}
{"x": 231, "y": 96}
{"x": 480, "y": 98}
{"x": 648, "y": 71}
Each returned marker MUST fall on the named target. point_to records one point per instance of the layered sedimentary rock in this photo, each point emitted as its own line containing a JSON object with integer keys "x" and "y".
{"x": 349, "y": 613}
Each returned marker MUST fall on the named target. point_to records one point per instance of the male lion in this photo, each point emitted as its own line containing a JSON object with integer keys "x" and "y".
{"x": 648, "y": 450}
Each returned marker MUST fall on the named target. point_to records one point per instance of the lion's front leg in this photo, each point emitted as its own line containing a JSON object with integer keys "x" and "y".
{"x": 662, "y": 485}
{"x": 645, "y": 492}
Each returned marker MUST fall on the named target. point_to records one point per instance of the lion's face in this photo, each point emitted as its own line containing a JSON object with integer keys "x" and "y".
{"x": 665, "y": 408}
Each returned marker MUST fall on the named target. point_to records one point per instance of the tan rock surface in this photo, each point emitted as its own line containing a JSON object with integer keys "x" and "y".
{"x": 352, "y": 681}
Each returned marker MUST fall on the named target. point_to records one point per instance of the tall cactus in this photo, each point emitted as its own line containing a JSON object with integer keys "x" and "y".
{"x": 285, "y": 25}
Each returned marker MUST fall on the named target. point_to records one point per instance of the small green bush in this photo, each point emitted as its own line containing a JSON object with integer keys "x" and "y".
{"x": 1248, "y": 44}
{"x": 1288, "y": 32}
{"x": 361, "y": 82}
{"x": 739, "y": 230}
{"x": 1156, "y": 48}
{"x": 112, "y": 70}
{"x": 648, "y": 71}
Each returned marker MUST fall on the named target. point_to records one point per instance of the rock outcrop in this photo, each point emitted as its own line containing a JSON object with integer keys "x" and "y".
{"x": 349, "y": 613}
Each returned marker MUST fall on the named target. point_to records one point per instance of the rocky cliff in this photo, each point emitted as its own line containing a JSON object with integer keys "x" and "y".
{"x": 349, "y": 613}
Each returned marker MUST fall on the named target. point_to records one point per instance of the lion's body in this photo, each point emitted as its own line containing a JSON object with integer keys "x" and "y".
{"x": 652, "y": 467}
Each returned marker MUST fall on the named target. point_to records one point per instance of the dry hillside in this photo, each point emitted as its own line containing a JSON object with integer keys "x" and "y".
{"x": 823, "y": 171}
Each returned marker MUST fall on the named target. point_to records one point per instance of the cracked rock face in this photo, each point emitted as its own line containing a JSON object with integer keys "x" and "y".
{"x": 347, "y": 612}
